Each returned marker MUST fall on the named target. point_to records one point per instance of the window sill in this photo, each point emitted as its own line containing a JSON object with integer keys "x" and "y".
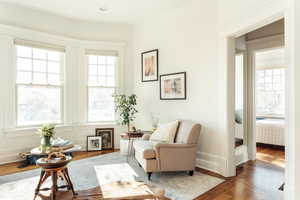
{"x": 34, "y": 128}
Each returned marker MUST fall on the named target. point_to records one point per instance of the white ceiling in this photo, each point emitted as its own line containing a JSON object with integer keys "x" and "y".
{"x": 119, "y": 11}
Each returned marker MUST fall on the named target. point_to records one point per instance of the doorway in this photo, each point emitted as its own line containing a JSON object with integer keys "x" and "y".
{"x": 260, "y": 95}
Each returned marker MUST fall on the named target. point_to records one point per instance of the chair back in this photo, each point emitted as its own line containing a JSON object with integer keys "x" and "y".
{"x": 188, "y": 132}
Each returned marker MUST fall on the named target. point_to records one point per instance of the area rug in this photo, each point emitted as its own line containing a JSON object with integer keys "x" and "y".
{"x": 92, "y": 172}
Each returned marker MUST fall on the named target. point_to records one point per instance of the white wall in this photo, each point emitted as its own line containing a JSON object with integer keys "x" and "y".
{"x": 76, "y": 36}
{"x": 186, "y": 39}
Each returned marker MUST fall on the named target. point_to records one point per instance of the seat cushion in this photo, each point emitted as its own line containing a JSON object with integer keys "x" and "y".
{"x": 145, "y": 148}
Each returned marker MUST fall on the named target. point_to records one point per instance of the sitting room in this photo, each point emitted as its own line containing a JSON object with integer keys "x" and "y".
{"x": 135, "y": 99}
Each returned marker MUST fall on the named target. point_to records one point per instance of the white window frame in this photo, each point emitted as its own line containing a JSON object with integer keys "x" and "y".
{"x": 60, "y": 86}
{"x": 271, "y": 114}
{"x": 116, "y": 87}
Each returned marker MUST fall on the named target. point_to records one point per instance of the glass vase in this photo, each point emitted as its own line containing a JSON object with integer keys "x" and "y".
{"x": 46, "y": 144}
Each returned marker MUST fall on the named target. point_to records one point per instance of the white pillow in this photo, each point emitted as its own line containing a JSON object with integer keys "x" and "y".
{"x": 165, "y": 132}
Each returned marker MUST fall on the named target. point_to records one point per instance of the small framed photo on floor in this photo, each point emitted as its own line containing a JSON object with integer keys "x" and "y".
{"x": 173, "y": 86}
{"x": 107, "y": 135}
{"x": 150, "y": 66}
{"x": 93, "y": 143}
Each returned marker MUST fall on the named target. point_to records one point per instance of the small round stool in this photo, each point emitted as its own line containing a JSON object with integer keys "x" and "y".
{"x": 55, "y": 169}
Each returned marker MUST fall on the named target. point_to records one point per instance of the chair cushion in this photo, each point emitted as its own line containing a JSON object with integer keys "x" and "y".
{"x": 144, "y": 147}
{"x": 188, "y": 132}
{"x": 165, "y": 132}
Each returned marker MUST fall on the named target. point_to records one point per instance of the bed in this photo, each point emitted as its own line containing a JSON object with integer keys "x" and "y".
{"x": 268, "y": 131}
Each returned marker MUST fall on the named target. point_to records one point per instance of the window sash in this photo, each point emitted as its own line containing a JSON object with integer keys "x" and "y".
{"x": 47, "y": 71}
{"x": 98, "y": 63}
{"x": 59, "y": 85}
{"x": 61, "y": 96}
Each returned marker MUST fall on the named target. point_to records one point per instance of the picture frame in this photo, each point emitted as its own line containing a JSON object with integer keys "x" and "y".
{"x": 150, "y": 63}
{"x": 173, "y": 86}
{"x": 107, "y": 135}
{"x": 93, "y": 143}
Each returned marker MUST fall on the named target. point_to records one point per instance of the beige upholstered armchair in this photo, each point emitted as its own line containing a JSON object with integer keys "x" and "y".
{"x": 178, "y": 156}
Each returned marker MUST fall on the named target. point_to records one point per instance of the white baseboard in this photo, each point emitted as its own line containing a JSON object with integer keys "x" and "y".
{"x": 211, "y": 162}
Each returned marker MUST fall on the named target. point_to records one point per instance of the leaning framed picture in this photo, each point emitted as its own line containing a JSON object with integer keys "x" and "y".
{"x": 107, "y": 135}
{"x": 173, "y": 86}
{"x": 93, "y": 143}
{"x": 150, "y": 66}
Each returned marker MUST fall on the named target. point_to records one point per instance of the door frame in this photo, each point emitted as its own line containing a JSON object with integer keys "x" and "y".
{"x": 253, "y": 46}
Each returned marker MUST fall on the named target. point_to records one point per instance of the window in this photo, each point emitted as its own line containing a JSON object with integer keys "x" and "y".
{"x": 270, "y": 84}
{"x": 101, "y": 87}
{"x": 38, "y": 85}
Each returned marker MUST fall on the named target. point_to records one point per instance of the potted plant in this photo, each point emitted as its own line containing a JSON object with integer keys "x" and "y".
{"x": 125, "y": 106}
{"x": 47, "y": 133}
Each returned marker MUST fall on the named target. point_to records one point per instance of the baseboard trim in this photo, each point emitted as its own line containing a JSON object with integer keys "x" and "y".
{"x": 211, "y": 162}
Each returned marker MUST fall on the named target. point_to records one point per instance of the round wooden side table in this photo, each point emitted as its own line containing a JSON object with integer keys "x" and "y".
{"x": 54, "y": 169}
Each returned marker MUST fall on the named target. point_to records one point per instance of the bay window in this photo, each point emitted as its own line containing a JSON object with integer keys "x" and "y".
{"x": 39, "y": 85}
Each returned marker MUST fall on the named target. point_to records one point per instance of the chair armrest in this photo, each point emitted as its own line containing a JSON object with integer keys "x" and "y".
{"x": 172, "y": 157}
{"x": 146, "y": 136}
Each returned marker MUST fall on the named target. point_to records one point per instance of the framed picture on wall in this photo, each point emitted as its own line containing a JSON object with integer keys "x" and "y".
{"x": 107, "y": 136}
{"x": 150, "y": 65}
{"x": 93, "y": 143}
{"x": 173, "y": 86}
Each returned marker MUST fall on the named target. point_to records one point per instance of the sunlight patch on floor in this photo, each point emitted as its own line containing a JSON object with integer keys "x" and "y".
{"x": 115, "y": 172}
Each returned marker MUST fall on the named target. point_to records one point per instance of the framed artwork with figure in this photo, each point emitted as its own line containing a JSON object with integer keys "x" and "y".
{"x": 150, "y": 66}
{"x": 107, "y": 137}
{"x": 173, "y": 86}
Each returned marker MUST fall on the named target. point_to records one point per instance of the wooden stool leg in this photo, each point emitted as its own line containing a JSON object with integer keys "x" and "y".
{"x": 54, "y": 186}
{"x": 66, "y": 173}
{"x": 39, "y": 184}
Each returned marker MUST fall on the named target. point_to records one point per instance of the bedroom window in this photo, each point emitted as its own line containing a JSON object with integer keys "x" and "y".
{"x": 101, "y": 86}
{"x": 39, "y": 84}
{"x": 270, "y": 84}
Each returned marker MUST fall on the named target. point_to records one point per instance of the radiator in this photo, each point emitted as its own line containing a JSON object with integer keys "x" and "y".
{"x": 268, "y": 131}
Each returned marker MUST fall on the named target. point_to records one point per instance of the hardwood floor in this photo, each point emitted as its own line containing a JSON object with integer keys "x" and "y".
{"x": 255, "y": 180}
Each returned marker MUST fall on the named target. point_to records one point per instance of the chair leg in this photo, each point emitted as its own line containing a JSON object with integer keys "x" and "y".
{"x": 149, "y": 175}
{"x": 191, "y": 173}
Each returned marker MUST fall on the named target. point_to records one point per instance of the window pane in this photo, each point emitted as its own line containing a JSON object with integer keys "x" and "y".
{"x": 24, "y": 77}
{"x": 53, "y": 79}
{"x": 101, "y": 70}
{"x": 111, "y": 60}
{"x": 110, "y": 70}
{"x": 39, "y": 78}
{"x": 93, "y": 70}
{"x": 53, "y": 67}
{"x": 102, "y": 81}
{"x": 24, "y": 64}
{"x": 110, "y": 81}
{"x": 39, "y": 54}
{"x": 101, "y": 104}
{"x": 37, "y": 105}
{"x": 93, "y": 80}
{"x": 92, "y": 60}
{"x": 39, "y": 66}
{"x": 102, "y": 60}
{"x": 53, "y": 55}
{"x": 24, "y": 51}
